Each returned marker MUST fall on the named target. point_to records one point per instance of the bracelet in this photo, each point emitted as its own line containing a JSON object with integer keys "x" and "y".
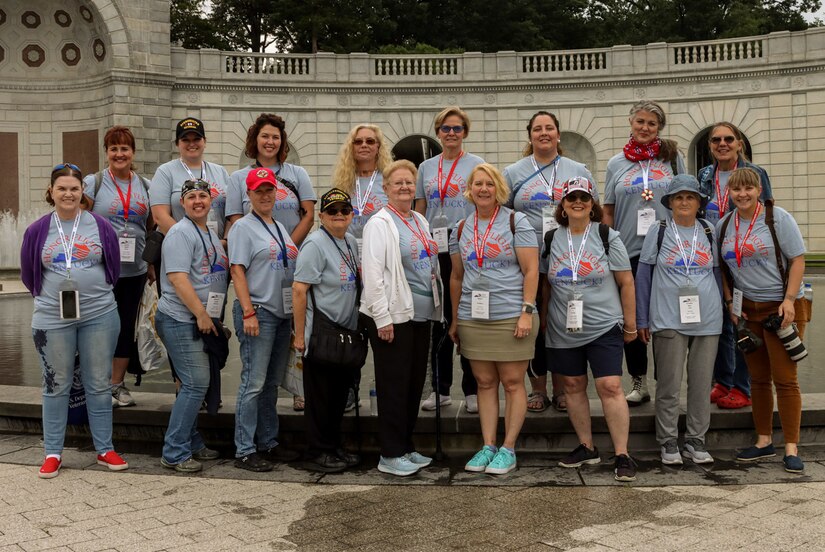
{"x": 630, "y": 333}
{"x": 250, "y": 315}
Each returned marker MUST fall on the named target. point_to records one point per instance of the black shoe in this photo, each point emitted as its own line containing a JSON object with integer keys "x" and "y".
{"x": 580, "y": 455}
{"x": 328, "y": 463}
{"x": 624, "y": 468}
{"x": 254, "y": 463}
{"x": 279, "y": 454}
{"x": 350, "y": 458}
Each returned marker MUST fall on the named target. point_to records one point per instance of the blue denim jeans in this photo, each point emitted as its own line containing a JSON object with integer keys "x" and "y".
{"x": 94, "y": 340}
{"x": 730, "y": 369}
{"x": 192, "y": 368}
{"x": 263, "y": 365}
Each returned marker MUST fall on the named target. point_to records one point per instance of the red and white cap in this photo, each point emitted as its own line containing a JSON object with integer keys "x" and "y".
{"x": 576, "y": 184}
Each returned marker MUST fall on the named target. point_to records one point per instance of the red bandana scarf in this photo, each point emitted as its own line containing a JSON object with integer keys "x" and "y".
{"x": 634, "y": 151}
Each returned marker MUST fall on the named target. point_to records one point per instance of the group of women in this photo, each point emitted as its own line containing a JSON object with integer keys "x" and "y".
{"x": 523, "y": 270}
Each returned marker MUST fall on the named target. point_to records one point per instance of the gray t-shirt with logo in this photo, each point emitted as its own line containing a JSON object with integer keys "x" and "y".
{"x": 419, "y": 265}
{"x": 372, "y": 201}
{"x": 712, "y": 209}
{"x": 455, "y": 207}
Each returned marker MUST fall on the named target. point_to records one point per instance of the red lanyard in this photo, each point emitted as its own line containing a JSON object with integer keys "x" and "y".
{"x": 738, "y": 250}
{"x": 442, "y": 190}
{"x": 422, "y": 237}
{"x": 479, "y": 247}
{"x": 721, "y": 202}
{"x": 127, "y": 201}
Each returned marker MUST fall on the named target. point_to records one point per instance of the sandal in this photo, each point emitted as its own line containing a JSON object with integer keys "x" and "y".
{"x": 297, "y": 403}
{"x": 537, "y": 398}
{"x": 559, "y": 402}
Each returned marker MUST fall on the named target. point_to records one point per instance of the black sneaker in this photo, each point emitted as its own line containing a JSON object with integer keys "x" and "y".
{"x": 624, "y": 468}
{"x": 581, "y": 455}
{"x": 328, "y": 462}
{"x": 350, "y": 458}
{"x": 279, "y": 454}
{"x": 254, "y": 463}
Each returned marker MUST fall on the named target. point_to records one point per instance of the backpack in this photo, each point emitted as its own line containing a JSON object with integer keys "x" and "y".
{"x": 604, "y": 233}
{"x": 99, "y": 182}
{"x": 512, "y": 225}
{"x": 661, "y": 236}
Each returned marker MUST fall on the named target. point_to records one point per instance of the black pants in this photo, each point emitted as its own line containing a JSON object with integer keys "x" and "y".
{"x": 400, "y": 372}
{"x": 128, "y": 292}
{"x": 442, "y": 351}
{"x": 325, "y": 389}
{"x": 635, "y": 352}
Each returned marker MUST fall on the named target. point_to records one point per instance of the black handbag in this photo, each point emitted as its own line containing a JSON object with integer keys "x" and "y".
{"x": 331, "y": 343}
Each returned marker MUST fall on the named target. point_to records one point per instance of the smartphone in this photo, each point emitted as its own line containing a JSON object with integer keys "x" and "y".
{"x": 69, "y": 304}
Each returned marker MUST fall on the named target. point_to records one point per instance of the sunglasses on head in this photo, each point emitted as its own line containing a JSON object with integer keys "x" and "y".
{"x": 578, "y": 196}
{"x": 447, "y": 128}
{"x": 63, "y": 165}
{"x": 368, "y": 141}
{"x": 336, "y": 210}
{"x": 195, "y": 185}
{"x": 718, "y": 139}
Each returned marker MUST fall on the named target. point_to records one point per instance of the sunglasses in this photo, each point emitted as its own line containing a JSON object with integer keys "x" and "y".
{"x": 338, "y": 210}
{"x": 718, "y": 139}
{"x": 63, "y": 165}
{"x": 578, "y": 196}
{"x": 368, "y": 141}
{"x": 447, "y": 128}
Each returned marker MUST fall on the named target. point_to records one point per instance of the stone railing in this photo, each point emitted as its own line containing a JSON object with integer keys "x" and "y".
{"x": 615, "y": 62}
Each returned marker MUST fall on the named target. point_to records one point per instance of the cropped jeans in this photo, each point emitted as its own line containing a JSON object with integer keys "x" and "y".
{"x": 94, "y": 340}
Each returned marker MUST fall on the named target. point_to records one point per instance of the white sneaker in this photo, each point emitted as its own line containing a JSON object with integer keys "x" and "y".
{"x": 121, "y": 396}
{"x": 695, "y": 450}
{"x": 471, "y": 404}
{"x": 670, "y": 454}
{"x": 429, "y": 402}
{"x": 639, "y": 394}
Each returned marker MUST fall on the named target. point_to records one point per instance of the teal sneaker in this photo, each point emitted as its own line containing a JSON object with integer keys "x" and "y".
{"x": 481, "y": 459}
{"x": 503, "y": 462}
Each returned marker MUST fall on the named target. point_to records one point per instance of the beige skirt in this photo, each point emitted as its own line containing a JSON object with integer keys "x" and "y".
{"x": 493, "y": 340}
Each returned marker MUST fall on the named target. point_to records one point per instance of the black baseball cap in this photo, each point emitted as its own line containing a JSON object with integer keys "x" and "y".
{"x": 190, "y": 124}
{"x": 335, "y": 196}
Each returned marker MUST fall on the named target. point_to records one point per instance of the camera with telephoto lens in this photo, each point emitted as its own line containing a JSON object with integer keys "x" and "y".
{"x": 789, "y": 337}
{"x": 746, "y": 340}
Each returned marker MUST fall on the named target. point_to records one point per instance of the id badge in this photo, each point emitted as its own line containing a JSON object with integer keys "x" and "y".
{"x": 480, "y": 307}
{"x": 286, "y": 297}
{"x": 360, "y": 242}
{"x": 575, "y": 314}
{"x": 689, "y": 305}
{"x": 212, "y": 225}
{"x": 214, "y": 304}
{"x": 128, "y": 247}
{"x": 736, "y": 307}
{"x": 645, "y": 218}
{"x": 548, "y": 219}
{"x": 441, "y": 237}
{"x": 69, "y": 300}
{"x": 436, "y": 294}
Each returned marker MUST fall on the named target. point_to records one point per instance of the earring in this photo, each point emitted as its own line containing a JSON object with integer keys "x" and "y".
{"x": 592, "y": 214}
{"x": 564, "y": 214}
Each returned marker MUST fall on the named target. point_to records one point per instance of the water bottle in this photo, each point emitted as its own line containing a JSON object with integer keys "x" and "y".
{"x": 373, "y": 400}
{"x": 808, "y": 293}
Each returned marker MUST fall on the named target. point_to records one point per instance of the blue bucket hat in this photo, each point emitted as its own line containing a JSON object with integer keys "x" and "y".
{"x": 684, "y": 183}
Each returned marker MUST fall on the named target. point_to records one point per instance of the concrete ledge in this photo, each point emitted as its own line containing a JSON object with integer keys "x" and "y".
{"x": 20, "y": 412}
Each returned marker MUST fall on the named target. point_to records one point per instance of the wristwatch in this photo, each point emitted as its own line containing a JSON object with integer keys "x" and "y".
{"x": 529, "y": 308}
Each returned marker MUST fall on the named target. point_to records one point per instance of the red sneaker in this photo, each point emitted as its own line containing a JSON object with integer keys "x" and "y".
{"x": 734, "y": 399}
{"x": 112, "y": 460}
{"x": 718, "y": 392}
{"x": 50, "y": 468}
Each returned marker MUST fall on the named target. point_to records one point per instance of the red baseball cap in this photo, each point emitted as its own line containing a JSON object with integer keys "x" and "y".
{"x": 258, "y": 177}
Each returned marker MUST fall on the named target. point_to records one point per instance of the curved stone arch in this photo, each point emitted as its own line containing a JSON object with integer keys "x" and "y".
{"x": 118, "y": 34}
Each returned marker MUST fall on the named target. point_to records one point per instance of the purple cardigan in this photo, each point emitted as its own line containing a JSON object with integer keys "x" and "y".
{"x": 31, "y": 266}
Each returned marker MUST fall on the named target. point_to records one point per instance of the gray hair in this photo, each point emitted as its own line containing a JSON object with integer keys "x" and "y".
{"x": 652, "y": 107}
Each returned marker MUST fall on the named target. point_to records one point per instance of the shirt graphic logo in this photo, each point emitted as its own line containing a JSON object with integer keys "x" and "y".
{"x": 585, "y": 268}
{"x": 453, "y": 188}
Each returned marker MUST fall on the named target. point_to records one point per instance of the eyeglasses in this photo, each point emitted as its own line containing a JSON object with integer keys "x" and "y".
{"x": 578, "y": 196}
{"x": 368, "y": 141}
{"x": 63, "y": 165}
{"x": 336, "y": 210}
{"x": 716, "y": 140}
{"x": 458, "y": 129}
{"x": 407, "y": 183}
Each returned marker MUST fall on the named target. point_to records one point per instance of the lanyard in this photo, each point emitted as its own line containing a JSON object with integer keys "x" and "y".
{"x": 127, "y": 201}
{"x": 205, "y": 249}
{"x": 575, "y": 260}
{"x": 349, "y": 260}
{"x": 442, "y": 190}
{"x": 361, "y": 202}
{"x": 645, "y": 174}
{"x": 738, "y": 250}
{"x": 422, "y": 237}
{"x": 688, "y": 262}
{"x": 479, "y": 246}
{"x": 189, "y": 172}
{"x": 540, "y": 170}
{"x": 67, "y": 247}
{"x": 259, "y": 166}
{"x": 720, "y": 201}
{"x": 280, "y": 239}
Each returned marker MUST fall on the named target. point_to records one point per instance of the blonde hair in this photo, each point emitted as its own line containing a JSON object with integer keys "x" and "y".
{"x": 344, "y": 175}
{"x": 397, "y": 166}
{"x": 453, "y": 110}
{"x": 744, "y": 176}
{"x": 502, "y": 190}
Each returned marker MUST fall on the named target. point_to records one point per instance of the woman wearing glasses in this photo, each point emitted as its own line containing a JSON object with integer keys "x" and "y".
{"x": 402, "y": 294}
{"x": 440, "y": 195}
{"x": 70, "y": 261}
{"x": 266, "y": 143}
{"x": 635, "y": 181}
{"x": 727, "y": 145}
{"x": 535, "y": 189}
{"x": 193, "y": 286}
{"x": 262, "y": 259}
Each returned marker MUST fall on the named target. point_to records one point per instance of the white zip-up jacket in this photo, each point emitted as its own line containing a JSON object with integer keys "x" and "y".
{"x": 387, "y": 297}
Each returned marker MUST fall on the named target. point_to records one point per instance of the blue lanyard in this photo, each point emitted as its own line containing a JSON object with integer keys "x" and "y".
{"x": 280, "y": 239}
{"x": 205, "y": 249}
{"x": 348, "y": 260}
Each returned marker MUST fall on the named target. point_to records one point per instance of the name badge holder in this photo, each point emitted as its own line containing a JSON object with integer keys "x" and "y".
{"x": 214, "y": 304}
{"x": 575, "y": 313}
{"x": 689, "y": 312}
{"x": 212, "y": 221}
{"x": 736, "y": 306}
{"x": 548, "y": 218}
{"x": 69, "y": 300}
{"x": 645, "y": 218}
{"x": 128, "y": 245}
{"x": 286, "y": 296}
{"x": 440, "y": 226}
{"x": 480, "y": 307}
